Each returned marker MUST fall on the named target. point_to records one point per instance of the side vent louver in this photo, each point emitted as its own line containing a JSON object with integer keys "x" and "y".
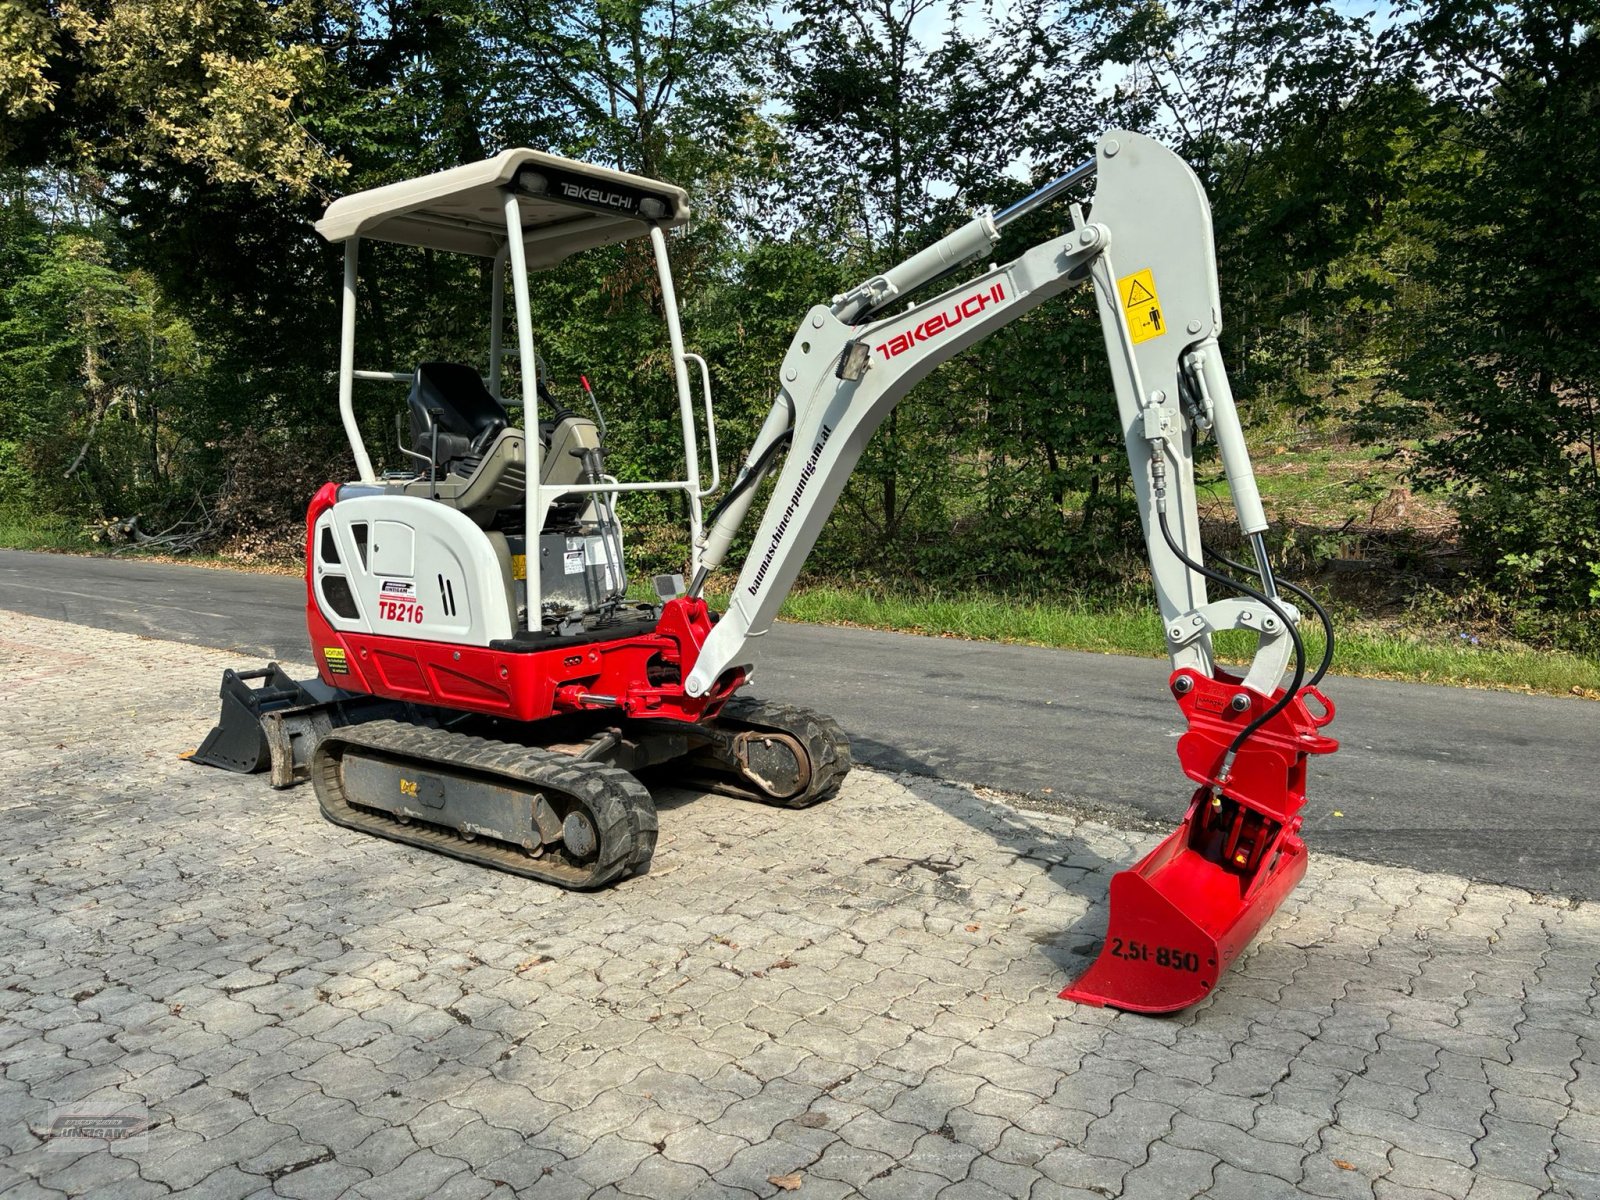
{"x": 447, "y": 596}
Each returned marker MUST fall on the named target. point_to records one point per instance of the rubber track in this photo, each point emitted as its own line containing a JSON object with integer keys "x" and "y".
{"x": 623, "y": 813}
{"x": 826, "y": 743}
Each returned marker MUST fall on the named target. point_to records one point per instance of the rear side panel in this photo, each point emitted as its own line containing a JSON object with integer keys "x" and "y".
{"x": 405, "y": 566}
{"x": 373, "y": 652}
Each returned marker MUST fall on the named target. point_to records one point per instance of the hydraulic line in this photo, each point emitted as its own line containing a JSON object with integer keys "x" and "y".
{"x": 1322, "y": 613}
{"x": 749, "y": 476}
{"x": 1158, "y": 475}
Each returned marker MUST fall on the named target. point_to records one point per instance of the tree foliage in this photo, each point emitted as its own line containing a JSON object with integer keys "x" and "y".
{"x": 1405, "y": 209}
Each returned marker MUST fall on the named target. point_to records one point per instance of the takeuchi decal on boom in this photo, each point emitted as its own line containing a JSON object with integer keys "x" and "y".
{"x": 944, "y": 321}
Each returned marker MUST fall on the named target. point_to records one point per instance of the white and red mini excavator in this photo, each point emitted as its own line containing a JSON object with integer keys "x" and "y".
{"x": 488, "y": 689}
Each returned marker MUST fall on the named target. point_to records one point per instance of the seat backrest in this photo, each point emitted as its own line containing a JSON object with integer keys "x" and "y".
{"x": 465, "y": 409}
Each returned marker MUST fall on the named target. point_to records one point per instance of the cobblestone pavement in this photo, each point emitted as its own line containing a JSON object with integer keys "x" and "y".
{"x": 858, "y": 999}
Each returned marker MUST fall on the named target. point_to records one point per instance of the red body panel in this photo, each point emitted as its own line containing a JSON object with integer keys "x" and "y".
{"x": 520, "y": 685}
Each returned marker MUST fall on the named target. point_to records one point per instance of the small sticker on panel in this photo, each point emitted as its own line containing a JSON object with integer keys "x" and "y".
{"x": 519, "y": 566}
{"x": 1141, "y": 306}
{"x": 398, "y": 588}
{"x": 572, "y": 562}
{"x": 337, "y": 663}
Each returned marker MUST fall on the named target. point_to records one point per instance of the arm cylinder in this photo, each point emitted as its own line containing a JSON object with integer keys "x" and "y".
{"x": 1212, "y": 379}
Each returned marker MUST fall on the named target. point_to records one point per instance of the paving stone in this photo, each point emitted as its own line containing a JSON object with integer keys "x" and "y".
{"x": 290, "y": 999}
{"x": 521, "y": 1169}
{"x": 753, "y": 1166}
{"x": 1230, "y": 1183}
{"x": 702, "y": 1147}
{"x": 1514, "y": 1151}
{"x": 903, "y": 1183}
{"x": 319, "y": 1181}
{"x": 1170, "y": 1171}
{"x": 1434, "y": 1174}
{"x": 1239, "y": 1149}
{"x": 1010, "y": 1179}
{"x": 658, "y": 1176}
{"x": 1072, "y": 1167}
{"x": 1487, "y": 1187}
{"x": 420, "y": 1176}
{"x": 941, "y": 1153}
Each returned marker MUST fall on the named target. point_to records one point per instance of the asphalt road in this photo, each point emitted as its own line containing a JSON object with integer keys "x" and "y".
{"x": 1492, "y": 785}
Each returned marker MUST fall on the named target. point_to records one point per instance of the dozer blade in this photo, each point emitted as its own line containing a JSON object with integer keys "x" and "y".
{"x": 1182, "y": 914}
{"x": 238, "y": 742}
{"x": 276, "y": 726}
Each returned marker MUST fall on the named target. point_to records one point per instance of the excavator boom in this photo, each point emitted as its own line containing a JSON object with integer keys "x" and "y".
{"x": 1185, "y": 911}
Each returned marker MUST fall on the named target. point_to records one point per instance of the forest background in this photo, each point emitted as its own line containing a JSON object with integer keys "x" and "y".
{"x": 1406, "y": 200}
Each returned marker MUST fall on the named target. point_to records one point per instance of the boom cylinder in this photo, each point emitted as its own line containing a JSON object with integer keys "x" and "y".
{"x": 972, "y": 240}
{"x": 714, "y": 546}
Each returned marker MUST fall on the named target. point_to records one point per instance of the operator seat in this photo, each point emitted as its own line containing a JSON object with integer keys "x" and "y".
{"x": 481, "y": 465}
{"x": 451, "y": 397}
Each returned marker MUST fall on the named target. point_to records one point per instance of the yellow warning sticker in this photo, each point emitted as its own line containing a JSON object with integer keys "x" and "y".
{"x": 519, "y": 566}
{"x": 1141, "y": 306}
{"x": 334, "y": 657}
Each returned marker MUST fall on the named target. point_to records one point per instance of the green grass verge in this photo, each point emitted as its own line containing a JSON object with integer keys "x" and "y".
{"x": 1079, "y": 625}
{"x": 31, "y": 531}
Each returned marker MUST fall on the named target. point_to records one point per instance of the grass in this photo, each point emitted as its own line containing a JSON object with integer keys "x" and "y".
{"x": 1362, "y": 648}
{"x": 29, "y": 531}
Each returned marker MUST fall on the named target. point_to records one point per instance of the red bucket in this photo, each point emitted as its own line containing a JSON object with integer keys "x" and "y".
{"x": 1184, "y": 912}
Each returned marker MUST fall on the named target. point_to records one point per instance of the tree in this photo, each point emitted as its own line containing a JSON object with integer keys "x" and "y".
{"x": 896, "y": 124}
{"x": 1504, "y": 375}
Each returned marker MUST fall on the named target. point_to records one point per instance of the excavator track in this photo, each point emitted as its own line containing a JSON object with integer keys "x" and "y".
{"x": 819, "y": 747}
{"x": 536, "y": 813}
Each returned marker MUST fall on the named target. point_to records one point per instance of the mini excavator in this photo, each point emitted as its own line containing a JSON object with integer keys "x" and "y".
{"x": 487, "y": 689}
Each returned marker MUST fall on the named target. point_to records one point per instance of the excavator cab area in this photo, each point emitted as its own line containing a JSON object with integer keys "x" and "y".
{"x": 464, "y": 433}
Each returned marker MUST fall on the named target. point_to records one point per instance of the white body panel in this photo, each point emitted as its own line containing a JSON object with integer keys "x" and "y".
{"x": 428, "y": 572}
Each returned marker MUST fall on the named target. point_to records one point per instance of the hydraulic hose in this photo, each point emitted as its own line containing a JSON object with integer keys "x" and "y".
{"x": 749, "y": 477}
{"x": 1286, "y": 585}
{"x": 1158, "y": 477}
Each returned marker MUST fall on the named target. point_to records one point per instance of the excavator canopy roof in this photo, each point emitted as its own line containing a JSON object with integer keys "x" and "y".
{"x": 566, "y": 207}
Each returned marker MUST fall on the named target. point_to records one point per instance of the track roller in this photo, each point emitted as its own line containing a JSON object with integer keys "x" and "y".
{"x": 536, "y": 813}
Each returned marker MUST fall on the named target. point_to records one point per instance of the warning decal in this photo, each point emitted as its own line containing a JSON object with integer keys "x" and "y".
{"x": 336, "y": 661}
{"x": 1141, "y": 306}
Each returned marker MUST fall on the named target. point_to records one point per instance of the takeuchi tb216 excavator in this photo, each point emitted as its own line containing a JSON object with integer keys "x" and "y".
{"x": 488, "y": 689}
